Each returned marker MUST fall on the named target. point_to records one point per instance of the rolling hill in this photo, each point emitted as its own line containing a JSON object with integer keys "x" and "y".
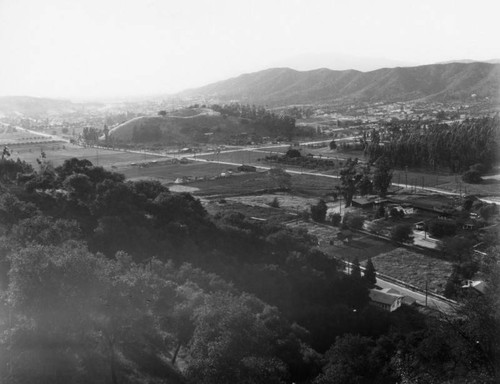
{"x": 284, "y": 86}
{"x": 178, "y": 127}
{"x": 34, "y": 106}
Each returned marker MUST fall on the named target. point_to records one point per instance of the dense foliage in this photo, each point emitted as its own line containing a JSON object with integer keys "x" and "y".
{"x": 104, "y": 280}
{"x": 263, "y": 122}
{"x": 455, "y": 146}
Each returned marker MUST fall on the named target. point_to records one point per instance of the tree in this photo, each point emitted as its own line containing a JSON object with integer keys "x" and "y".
{"x": 274, "y": 203}
{"x": 380, "y": 212}
{"x": 457, "y": 248}
{"x": 349, "y": 178}
{"x": 402, "y": 233}
{"x": 355, "y": 268}
{"x": 336, "y": 219}
{"x": 292, "y": 153}
{"x": 440, "y": 228}
{"x": 333, "y": 145}
{"x": 370, "y": 275}
{"x": 354, "y": 221}
{"x": 162, "y": 113}
{"x": 383, "y": 176}
{"x": 348, "y": 361}
{"x": 472, "y": 177}
{"x": 318, "y": 211}
{"x": 232, "y": 343}
{"x": 5, "y": 152}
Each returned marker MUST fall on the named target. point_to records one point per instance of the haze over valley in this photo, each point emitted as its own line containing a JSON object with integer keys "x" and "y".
{"x": 249, "y": 192}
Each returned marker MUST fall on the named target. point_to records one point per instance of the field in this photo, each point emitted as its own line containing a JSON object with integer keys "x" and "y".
{"x": 286, "y": 201}
{"x": 258, "y": 181}
{"x": 240, "y": 157}
{"x": 414, "y": 268}
{"x": 58, "y": 152}
{"x": 273, "y": 215}
{"x": 170, "y": 172}
{"x": 13, "y": 136}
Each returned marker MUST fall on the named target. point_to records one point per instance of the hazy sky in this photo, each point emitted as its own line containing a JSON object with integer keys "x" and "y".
{"x": 101, "y": 48}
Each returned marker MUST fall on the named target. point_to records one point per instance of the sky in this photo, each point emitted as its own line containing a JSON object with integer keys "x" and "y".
{"x": 81, "y": 49}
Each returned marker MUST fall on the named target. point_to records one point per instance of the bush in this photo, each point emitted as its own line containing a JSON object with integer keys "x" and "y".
{"x": 274, "y": 203}
{"x": 439, "y": 228}
{"x": 472, "y": 177}
{"x": 336, "y": 219}
{"x": 354, "y": 221}
{"x": 292, "y": 153}
{"x": 402, "y": 233}
{"x": 318, "y": 211}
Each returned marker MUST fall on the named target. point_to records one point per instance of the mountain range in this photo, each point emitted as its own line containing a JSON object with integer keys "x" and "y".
{"x": 34, "y": 106}
{"x": 285, "y": 86}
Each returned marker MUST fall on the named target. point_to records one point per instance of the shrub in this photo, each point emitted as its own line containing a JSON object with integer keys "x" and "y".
{"x": 274, "y": 203}
{"x": 354, "y": 221}
{"x": 335, "y": 218}
{"x": 439, "y": 228}
{"x": 472, "y": 176}
{"x": 318, "y": 211}
{"x": 293, "y": 153}
{"x": 402, "y": 233}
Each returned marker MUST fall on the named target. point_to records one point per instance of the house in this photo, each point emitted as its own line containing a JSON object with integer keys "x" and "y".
{"x": 361, "y": 202}
{"x": 420, "y": 226}
{"x": 477, "y": 286}
{"x": 469, "y": 225}
{"x": 385, "y": 300}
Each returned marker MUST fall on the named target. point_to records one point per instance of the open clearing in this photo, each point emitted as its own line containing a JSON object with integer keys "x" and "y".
{"x": 58, "y": 152}
{"x": 171, "y": 172}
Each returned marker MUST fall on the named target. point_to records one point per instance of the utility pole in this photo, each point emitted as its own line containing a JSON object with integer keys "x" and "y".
{"x": 426, "y": 289}
{"x": 340, "y": 206}
{"x": 406, "y": 176}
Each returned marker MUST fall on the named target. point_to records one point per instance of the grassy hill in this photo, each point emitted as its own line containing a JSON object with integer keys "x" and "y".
{"x": 282, "y": 86}
{"x": 178, "y": 127}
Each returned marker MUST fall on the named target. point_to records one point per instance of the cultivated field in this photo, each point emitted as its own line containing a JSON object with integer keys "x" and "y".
{"x": 362, "y": 246}
{"x": 414, "y": 268}
{"x": 58, "y": 152}
{"x": 273, "y": 215}
{"x": 171, "y": 172}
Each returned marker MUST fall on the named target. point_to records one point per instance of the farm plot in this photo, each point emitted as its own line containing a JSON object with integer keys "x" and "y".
{"x": 172, "y": 172}
{"x": 286, "y": 201}
{"x": 21, "y": 137}
{"x": 58, "y": 152}
{"x": 239, "y": 157}
{"x": 248, "y": 183}
{"x": 258, "y": 213}
{"x": 414, "y": 268}
{"x": 361, "y": 246}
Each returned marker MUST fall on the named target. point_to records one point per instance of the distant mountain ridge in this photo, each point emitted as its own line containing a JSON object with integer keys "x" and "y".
{"x": 34, "y": 106}
{"x": 285, "y": 86}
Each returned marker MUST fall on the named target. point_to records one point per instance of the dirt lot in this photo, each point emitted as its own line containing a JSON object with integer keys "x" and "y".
{"x": 413, "y": 268}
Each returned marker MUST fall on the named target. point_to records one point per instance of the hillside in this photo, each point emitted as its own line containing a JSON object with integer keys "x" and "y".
{"x": 182, "y": 126}
{"x": 34, "y": 106}
{"x": 282, "y": 86}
